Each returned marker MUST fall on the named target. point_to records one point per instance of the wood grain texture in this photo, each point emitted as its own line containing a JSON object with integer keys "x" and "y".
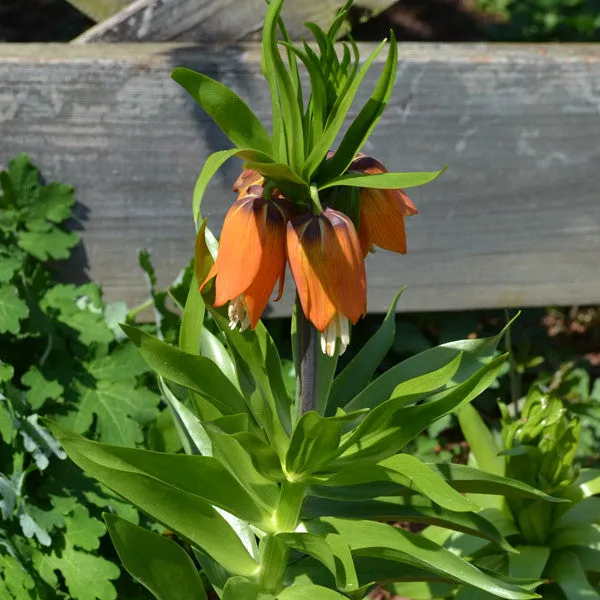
{"x": 99, "y": 10}
{"x": 515, "y": 220}
{"x": 206, "y": 21}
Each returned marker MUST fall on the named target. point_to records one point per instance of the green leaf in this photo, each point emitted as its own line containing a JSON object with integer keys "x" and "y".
{"x": 41, "y": 389}
{"x": 212, "y": 164}
{"x": 317, "y": 108}
{"x": 357, "y": 374}
{"x": 309, "y": 592}
{"x": 280, "y": 173}
{"x": 475, "y": 353}
{"x": 196, "y": 373}
{"x": 180, "y": 504}
{"x": 212, "y": 347}
{"x": 9, "y": 265}
{"x": 80, "y": 308}
{"x": 482, "y": 443}
{"x": 530, "y": 561}
{"x": 365, "y": 122}
{"x": 15, "y": 582}
{"x": 382, "y": 541}
{"x": 45, "y": 245}
{"x": 385, "y": 181}
{"x": 407, "y": 471}
{"x": 159, "y": 564}
{"x": 279, "y": 80}
{"x": 118, "y": 408}
{"x": 259, "y": 372}
{"x": 411, "y": 509}
{"x": 241, "y": 588}
{"x": 314, "y": 442}
{"x": 336, "y": 119}
{"x": 405, "y": 394}
{"x": 226, "y": 109}
{"x": 7, "y": 428}
{"x": 405, "y": 424}
{"x": 192, "y": 434}
{"x": 12, "y": 309}
{"x": 87, "y": 577}
{"x": 565, "y": 568}
{"x": 331, "y": 551}
{"x": 124, "y": 363}
{"x": 203, "y": 476}
{"x": 473, "y": 481}
{"x": 192, "y": 320}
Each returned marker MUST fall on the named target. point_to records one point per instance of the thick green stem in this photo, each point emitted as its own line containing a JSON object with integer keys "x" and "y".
{"x": 308, "y": 346}
{"x": 273, "y": 552}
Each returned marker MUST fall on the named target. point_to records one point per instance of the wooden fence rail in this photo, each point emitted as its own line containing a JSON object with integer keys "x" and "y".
{"x": 515, "y": 221}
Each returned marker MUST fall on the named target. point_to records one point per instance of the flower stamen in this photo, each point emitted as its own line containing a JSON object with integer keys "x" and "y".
{"x": 337, "y": 329}
{"x": 238, "y": 314}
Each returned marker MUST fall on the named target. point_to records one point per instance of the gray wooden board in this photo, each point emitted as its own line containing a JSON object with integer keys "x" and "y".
{"x": 515, "y": 220}
{"x": 211, "y": 20}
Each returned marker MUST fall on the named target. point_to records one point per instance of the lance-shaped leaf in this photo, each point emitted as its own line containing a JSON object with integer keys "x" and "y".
{"x": 336, "y": 119}
{"x": 315, "y": 441}
{"x": 158, "y": 563}
{"x": 405, "y": 424}
{"x": 565, "y": 568}
{"x": 383, "y": 541}
{"x": 202, "y": 476}
{"x": 412, "y": 509}
{"x": 259, "y": 372}
{"x": 192, "y": 320}
{"x": 212, "y": 164}
{"x": 385, "y": 181}
{"x": 475, "y": 353}
{"x": 357, "y": 374}
{"x": 529, "y": 561}
{"x": 196, "y": 373}
{"x": 178, "y": 508}
{"x": 473, "y": 481}
{"x": 226, "y": 109}
{"x": 280, "y": 78}
{"x": 309, "y": 592}
{"x": 331, "y": 551}
{"x": 407, "y": 471}
{"x": 482, "y": 443}
{"x": 241, "y": 588}
{"x": 365, "y": 122}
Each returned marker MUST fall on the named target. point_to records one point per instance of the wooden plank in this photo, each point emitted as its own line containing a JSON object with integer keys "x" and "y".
{"x": 206, "y": 21}
{"x": 99, "y": 10}
{"x": 515, "y": 221}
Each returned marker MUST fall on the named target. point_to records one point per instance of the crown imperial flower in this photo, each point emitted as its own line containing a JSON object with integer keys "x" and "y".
{"x": 251, "y": 257}
{"x": 329, "y": 271}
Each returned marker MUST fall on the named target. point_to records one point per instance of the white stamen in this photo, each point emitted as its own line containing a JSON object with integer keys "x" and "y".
{"x": 337, "y": 328}
{"x": 238, "y": 314}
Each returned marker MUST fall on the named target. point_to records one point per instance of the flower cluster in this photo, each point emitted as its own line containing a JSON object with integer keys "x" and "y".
{"x": 264, "y": 230}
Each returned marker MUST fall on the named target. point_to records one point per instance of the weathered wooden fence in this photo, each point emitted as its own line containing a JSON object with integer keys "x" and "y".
{"x": 515, "y": 220}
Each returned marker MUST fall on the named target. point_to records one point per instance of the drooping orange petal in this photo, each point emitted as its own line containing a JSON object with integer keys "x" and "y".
{"x": 304, "y": 251}
{"x": 272, "y": 265}
{"x": 382, "y": 220}
{"x": 246, "y": 180}
{"x": 344, "y": 266}
{"x": 327, "y": 266}
{"x": 240, "y": 248}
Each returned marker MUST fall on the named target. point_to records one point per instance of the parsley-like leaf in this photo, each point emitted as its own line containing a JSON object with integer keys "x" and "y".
{"x": 12, "y": 309}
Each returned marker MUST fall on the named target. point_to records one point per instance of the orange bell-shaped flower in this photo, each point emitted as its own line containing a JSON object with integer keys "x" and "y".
{"x": 382, "y": 212}
{"x": 251, "y": 257}
{"x": 329, "y": 270}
